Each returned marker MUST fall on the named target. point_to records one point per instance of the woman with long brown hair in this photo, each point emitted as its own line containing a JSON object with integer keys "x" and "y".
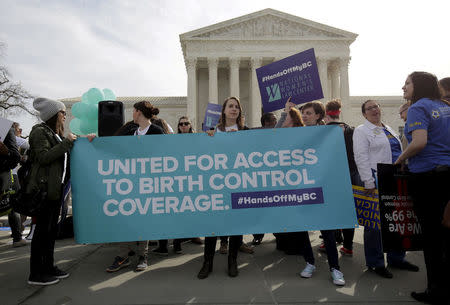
{"x": 428, "y": 154}
{"x": 231, "y": 120}
{"x": 49, "y": 152}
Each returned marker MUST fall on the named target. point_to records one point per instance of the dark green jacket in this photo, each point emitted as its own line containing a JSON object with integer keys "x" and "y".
{"x": 47, "y": 155}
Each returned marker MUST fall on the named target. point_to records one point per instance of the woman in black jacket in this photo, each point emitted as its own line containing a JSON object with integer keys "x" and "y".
{"x": 231, "y": 120}
{"x": 50, "y": 171}
{"x": 143, "y": 112}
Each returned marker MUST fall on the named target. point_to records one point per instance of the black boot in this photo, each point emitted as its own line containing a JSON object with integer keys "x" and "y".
{"x": 232, "y": 266}
{"x": 206, "y": 268}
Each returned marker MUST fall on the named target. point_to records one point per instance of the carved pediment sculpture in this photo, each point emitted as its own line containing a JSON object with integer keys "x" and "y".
{"x": 268, "y": 27}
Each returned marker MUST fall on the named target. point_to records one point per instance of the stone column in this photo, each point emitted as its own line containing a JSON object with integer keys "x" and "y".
{"x": 345, "y": 91}
{"x": 191, "y": 65}
{"x": 255, "y": 103}
{"x": 322, "y": 64}
{"x": 213, "y": 63}
{"x": 234, "y": 76}
{"x": 334, "y": 80}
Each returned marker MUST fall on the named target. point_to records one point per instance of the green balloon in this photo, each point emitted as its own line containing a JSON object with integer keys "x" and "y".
{"x": 88, "y": 126}
{"x": 94, "y": 96}
{"x": 79, "y": 109}
{"x": 109, "y": 95}
{"x": 84, "y": 97}
{"x": 74, "y": 126}
{"x": 92, "y": 112}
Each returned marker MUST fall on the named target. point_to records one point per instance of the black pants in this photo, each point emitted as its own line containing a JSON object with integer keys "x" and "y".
{"x": 43, "y": 243}
{"x": 210, "y": 246}
{"x": 16, "y": 225}
{"x": 430, "y": 193}
{"x": 348, "y": 238}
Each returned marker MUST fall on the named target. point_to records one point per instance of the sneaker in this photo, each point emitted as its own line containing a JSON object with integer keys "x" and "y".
{"x": 346, "y": 252}
{"x": 19, "y": 243}
{"x": 382, "y": 271}
{"x": 119, "y": 263}
{"x": 141, "y": 265}
{"x": 405, "y": 265}
{"x": 256, "y": 241}
{"x": 246, "y": 249}
{"x": 58, "y": 273}
{"x": 177, "y": 248}
{"x": 338, "y": 277}
{"x": 322, "y": 248}
{"x": 197, "y": 241}
{"x": 308, "y": 271}
{"x": 160, "y": 251}
{"x": 223, "y": 249}
{"x": 42, "y": 280}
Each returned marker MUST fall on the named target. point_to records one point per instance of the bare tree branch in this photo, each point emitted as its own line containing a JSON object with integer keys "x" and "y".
{"x": 13, "y": 97}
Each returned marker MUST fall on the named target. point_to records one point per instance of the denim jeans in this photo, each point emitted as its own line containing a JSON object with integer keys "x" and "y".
{"x": 373, "y": 250}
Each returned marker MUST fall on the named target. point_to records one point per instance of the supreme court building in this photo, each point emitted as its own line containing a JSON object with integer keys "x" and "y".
{"x": 221, "y": 60}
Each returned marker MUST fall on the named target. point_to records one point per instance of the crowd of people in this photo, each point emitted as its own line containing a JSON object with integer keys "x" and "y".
{"x": 424, "y": 146}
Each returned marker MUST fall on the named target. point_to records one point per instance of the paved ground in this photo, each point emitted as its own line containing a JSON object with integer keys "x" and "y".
{"x": 266, "y": 277}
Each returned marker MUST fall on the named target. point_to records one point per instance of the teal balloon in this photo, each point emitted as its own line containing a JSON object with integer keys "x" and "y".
{"x": 84, "y": 97}
{"x": 74, "y": 126}
{"x": 92, "y": 112}
{"x": 109, "y": 95}
{"x": 94, "y": 96}
{"x": 88, "y": 126}
{"x": 79, "y": 110}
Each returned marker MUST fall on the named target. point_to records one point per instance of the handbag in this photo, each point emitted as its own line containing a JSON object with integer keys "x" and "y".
{"x": 29, "y": 204}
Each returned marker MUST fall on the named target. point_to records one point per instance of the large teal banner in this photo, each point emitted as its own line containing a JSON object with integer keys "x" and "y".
{"x": 186, "y": 185}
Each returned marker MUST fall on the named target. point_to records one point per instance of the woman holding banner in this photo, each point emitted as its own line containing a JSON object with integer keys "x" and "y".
{"x": 49, "y": 152}
{"x": 231, "y": 119}
{"x": 312, "y": 115}
{"x": 141, "y": 125}
{"x": 428, "y": 154}
{"x": 375, "y": 142}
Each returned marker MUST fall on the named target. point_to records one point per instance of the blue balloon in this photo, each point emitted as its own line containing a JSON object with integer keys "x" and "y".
{"x": 94, "y": 96}
{"x": 109, "y": 95}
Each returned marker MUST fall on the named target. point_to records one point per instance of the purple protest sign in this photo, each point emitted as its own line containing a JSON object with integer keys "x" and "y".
{"x": 295, "y": 76}
{"x": 212, "y": 116}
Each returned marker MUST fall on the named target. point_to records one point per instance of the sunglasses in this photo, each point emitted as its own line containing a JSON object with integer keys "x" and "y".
{"x": 184, "y": 124}
{"x": 63, "y": 112}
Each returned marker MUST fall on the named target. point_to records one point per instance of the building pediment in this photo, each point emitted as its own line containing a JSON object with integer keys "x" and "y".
{"x": 271, "y": 25}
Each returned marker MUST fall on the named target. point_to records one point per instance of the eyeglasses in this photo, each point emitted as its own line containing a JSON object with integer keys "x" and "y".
{"x": 373, "y": 107}
{"x": 184, "y": 124}
{"x": 63, "y": 112}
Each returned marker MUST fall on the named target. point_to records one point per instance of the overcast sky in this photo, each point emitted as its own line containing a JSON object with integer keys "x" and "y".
{"x": 62, "y": 48}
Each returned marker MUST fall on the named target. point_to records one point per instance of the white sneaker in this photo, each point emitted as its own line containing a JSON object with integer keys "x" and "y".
{"x": 308, "y": 271}
{"x": 338, "y": 277}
